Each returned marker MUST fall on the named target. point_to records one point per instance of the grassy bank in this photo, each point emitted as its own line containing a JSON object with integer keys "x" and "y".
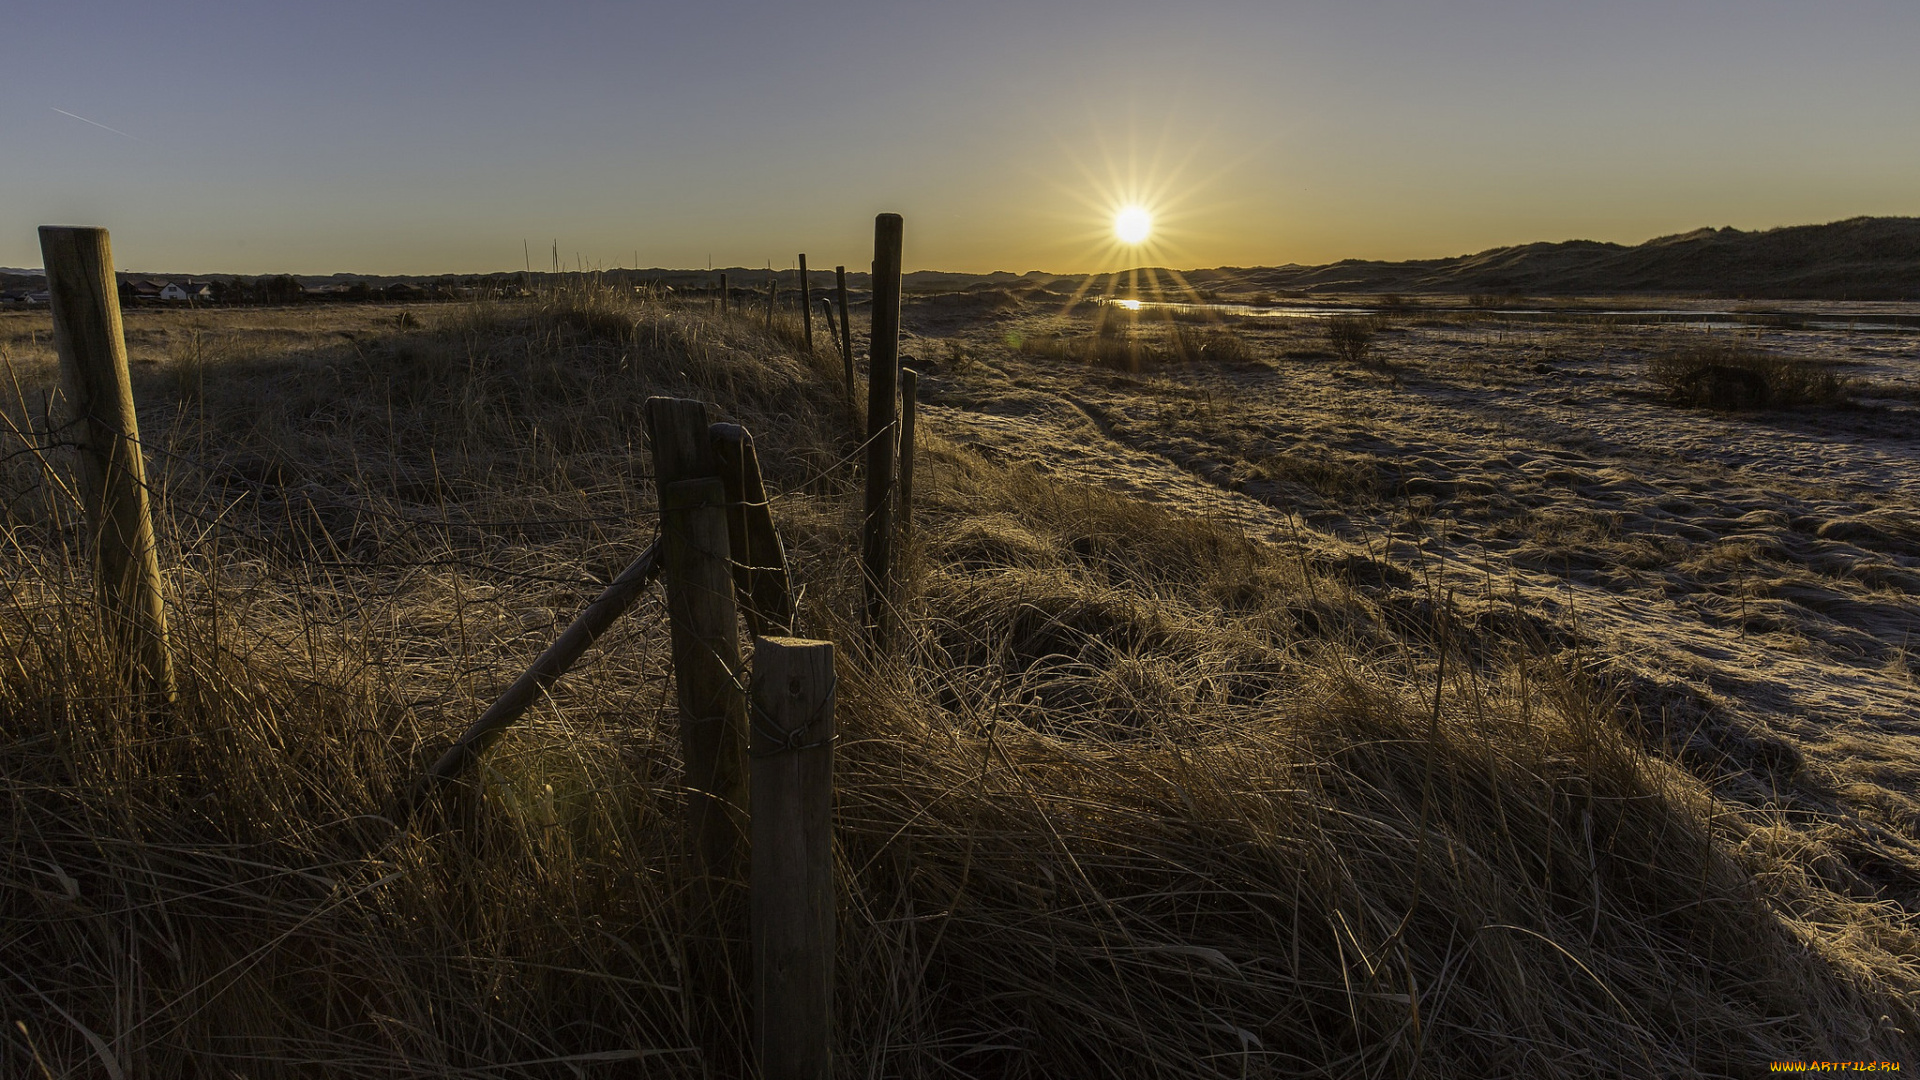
{"x": 1142, "y": 797}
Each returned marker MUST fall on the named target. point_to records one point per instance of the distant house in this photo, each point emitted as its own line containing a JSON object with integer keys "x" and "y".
{"x": 400, "y": 290}
{"x": 187, "y": 290}
{"x": 142, "y": 288}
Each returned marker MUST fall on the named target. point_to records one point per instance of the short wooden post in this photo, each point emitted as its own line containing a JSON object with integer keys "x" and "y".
{"x": 883, "y": 351}
{"x": 705, "y": 633}
{"x": 792, "y": 903}
{"x": 723, "y": 294}
{"x": 826, "y": 311}
{"x": 113, "y": 477}
{"x": 761, "y": 581}
{"x": 846, "y": 327}
{"x": 909, "y": 396}
{"x": 806, "y": 302}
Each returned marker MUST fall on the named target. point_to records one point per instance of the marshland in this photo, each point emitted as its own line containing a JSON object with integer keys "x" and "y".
{"x": 1425, "y": 690}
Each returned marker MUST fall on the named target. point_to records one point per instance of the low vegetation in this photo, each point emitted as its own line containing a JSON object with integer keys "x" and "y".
{"x": 1136, "y": 344}
{"x": 1723, "y": 373}
{"x": 1351, "y": 338}
{"x": 1140, "y": 797}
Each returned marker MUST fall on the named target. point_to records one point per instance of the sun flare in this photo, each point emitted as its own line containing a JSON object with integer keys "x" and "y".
{"x": 1133, "y": 224}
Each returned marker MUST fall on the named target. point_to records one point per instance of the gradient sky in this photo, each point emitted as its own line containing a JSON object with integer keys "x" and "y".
{"x": 396, "y": 137}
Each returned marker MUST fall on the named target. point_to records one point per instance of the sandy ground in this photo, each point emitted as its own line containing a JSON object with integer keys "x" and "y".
{"x": 1748, "y": 583}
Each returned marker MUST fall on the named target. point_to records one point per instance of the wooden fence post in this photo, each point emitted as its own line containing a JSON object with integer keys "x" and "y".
{"x": 806, "y": 301}
{"x": 760, "y": 577}
{"x": 909, "y": 396}
{"x": 826, "y": 310}
{"x": 846, "y": 327}
{"x": 791, "y": 904}
{"x": 706, "y": 641}
{"x": 883, "y": 351}
{"x": 113, "y": 477}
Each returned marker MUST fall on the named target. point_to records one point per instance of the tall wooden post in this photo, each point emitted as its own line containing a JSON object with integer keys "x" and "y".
{"x": 846, "y": 327}
{"x": 909, "y": 396}
{"x": 113, "y": 477}
{"x": 792, "y": 903}
{"x": 704, "y": 629}
{"x": 883, "y": 351}
{"x": 806, "y": 301}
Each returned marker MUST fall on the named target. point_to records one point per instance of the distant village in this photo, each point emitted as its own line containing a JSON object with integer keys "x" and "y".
{"x": 226, "y": 291}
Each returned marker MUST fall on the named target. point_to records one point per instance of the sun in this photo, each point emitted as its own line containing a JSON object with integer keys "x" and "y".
{"x": 1133, "y": 224}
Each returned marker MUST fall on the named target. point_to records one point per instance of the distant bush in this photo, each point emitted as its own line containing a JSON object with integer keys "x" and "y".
{"x": 1725, "y": 374}
{"x": 1214, "y": 344}
{"x": 1351, "y": 337}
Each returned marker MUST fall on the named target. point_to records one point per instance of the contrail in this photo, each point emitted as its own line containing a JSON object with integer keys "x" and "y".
{"x": 101, "y": 126}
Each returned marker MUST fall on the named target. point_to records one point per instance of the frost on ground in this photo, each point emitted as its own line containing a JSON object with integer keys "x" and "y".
{"x": 1749, "y": 584}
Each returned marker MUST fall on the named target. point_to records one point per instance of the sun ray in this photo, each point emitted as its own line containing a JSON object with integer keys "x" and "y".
{"x": 1140, "y": 196}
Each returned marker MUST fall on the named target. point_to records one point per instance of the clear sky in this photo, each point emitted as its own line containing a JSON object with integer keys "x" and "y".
{"x": 398, "y": 137}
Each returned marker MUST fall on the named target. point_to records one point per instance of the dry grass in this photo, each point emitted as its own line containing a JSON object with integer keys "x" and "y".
{"x": 1142, "y": 797}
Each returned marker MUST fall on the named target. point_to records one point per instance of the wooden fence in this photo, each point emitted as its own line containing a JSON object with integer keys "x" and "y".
{"x": 758, "y": 753}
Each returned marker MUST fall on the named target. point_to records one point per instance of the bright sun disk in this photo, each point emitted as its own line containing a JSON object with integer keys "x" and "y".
{"x": 1132, "y": 224}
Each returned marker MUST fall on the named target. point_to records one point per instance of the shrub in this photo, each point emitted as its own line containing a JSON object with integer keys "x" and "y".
{"x": 1215, "y": 344}
{"x": 1121, "y": 352}
{"x": 1731, "y": 375}
{"x": 1351, "y": 337}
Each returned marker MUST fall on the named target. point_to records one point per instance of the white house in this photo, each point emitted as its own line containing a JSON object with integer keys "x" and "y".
{"x": 187, "y": 290}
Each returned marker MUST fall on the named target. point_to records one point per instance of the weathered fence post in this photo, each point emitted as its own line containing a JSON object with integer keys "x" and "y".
{"x": 806, "y": 301}
{"x": 883, "y": 351}
{"x": 909, "y": 396}
{"x": 706, "y": 642}
{"x": 113, "y": 477}
{"x": 826, "y": 310}
{"x": 792, "y": 902}
{"x": 846, "y": 327}
{"x": 723, "y": 294}
{"x": 760, "y": 577}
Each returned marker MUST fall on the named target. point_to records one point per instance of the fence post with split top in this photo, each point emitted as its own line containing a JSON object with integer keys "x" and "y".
{"x": 703, "y": 626}
{"x": 761, "y": 579}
